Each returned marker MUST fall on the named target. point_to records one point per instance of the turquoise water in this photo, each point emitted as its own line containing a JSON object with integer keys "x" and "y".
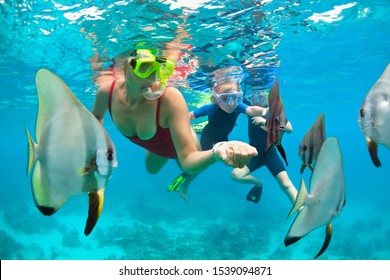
{"x": 327, "y": 55}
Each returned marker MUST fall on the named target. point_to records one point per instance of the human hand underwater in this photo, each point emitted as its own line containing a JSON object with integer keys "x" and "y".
{"x": 260, "y": 121}
{"x": 234, "y": 153}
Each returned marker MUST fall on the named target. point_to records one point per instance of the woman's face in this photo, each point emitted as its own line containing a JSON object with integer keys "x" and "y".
{"x": 146, "y": 85}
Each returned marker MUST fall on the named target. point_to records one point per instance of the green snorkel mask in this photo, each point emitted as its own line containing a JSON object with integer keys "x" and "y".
{"x": 147, "y": 62}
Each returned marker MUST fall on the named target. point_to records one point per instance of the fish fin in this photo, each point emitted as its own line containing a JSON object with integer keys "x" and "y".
{"x": 46, "y": 201}
{"x": 303, "y": 166}
{"x": 282, "y": 153}
{"x": 321, "y": 125}
{"x": 31, "y": 152}
{"x": 373, "y": 150}
{"x": 177, "y": 182}
{"x": 82, "y": 171}
{"x": 310, "y": 167}
{"x": 96, "y": 200}
{"x": 291, "y": 240}
{"x": 87, "y": 170}
{"x": 300, "y": 200}
{"x": 328, "y": 237}
{"x": 331, "y": 157}
{"x": 53, "y": 94}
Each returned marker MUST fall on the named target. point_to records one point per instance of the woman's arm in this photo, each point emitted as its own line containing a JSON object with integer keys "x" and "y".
{"x": 190, "y": 159}
{"x": 100, "y": 106}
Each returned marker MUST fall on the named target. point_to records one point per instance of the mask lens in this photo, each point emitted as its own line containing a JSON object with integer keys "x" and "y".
{"x": 146, "y": 63}
{"x": 224, "y": 98}
{"x": 259, "y": 99}
{"x": 146, "y": 67}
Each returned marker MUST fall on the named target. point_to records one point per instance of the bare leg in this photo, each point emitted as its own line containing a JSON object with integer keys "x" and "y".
{"x": 287, "y": 186}
{"x": 154, "y": 163}
{"x": 243, "y": 175}
{"x": 183, "y": 190}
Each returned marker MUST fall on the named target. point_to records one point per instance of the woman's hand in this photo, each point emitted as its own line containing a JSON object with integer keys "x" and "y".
{"x": 234, "y": 153}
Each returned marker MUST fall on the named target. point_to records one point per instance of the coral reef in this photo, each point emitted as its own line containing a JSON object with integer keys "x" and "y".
{"x": 28, "y": 223}
{"x": 9, "y": 248}
{"x": 217, "y": 240}
{"x": 71, "y": 239}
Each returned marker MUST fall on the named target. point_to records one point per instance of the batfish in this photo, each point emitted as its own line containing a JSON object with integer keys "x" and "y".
{"x": 276, "y": 121}
{"x": 74, "y": 154}
{"x": 374, "y": 116}
{"x": 311, "y": 143}
{"x": 326, "y": 198}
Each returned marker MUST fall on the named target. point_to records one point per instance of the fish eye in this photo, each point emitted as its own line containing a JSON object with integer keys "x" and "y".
{"x": 110, "y": 156}
{"x": 362, "y": 114}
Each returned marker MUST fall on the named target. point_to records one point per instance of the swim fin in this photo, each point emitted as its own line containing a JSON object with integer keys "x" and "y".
{"x": 198, "y": 127}
{"x": 254, "y": 194}
{"x": 175, "y": 185}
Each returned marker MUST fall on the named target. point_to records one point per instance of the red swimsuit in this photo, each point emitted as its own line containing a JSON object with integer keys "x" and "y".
{"x": 161, "y": 143}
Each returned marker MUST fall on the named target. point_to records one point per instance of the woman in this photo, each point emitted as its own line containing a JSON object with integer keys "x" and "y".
{"x": 155, "y": 116}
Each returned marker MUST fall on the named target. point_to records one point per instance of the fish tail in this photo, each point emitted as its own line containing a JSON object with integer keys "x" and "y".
{"x": 31, "y": 156}
{"x": 328, "y": 237}
{"x": 96, "y": 200}
{"x": 373, "y": 150}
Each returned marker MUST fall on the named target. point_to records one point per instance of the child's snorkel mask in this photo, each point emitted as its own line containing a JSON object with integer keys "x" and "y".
{"x": 259, "y": 99}
{"x": 147, "y": 62}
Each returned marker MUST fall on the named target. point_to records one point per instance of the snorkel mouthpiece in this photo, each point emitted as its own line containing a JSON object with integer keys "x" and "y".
{"x": 152, "y": 95}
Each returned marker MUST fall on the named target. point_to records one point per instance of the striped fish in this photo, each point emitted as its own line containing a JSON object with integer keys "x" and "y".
{"x": 311, "y": 143}
{"x": 74, "y": 154}
{"x": 374, "y": 116}
{"x": 326, "y": 198}
{"x": 276, "y": 121}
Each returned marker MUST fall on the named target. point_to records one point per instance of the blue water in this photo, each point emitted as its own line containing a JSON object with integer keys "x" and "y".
{"x": 327, "y": 55}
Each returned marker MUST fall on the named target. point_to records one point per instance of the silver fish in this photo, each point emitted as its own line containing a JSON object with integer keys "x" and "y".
{"x": 374, "y": 116}
{"x": 74, "y": 154}
{"x": 311, "y": 143}
{"x": 326, "y": 198}
{"x": 276, "y": 121}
